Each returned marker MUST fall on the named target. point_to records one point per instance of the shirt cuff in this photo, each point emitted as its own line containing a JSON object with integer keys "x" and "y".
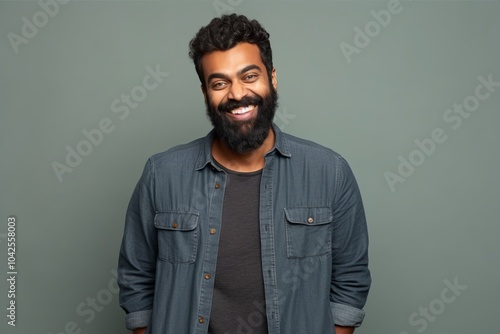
{"x": 345, "y": 315}
{"x": 138, "y": 319}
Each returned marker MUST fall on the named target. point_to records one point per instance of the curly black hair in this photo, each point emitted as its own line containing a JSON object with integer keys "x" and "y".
{"x": 224, "y": 33}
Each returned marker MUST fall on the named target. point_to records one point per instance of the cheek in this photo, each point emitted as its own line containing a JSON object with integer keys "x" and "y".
{"x": 217, "y": 99}
{"x": 263, "y": 88}
{"x": 213, "y": 100}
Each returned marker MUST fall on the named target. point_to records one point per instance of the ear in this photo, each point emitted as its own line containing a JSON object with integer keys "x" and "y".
{"x": 274, "y": 80}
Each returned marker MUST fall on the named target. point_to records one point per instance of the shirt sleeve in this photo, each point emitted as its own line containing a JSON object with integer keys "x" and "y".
{"x": 350, "y": 280}
{"x": 137, "y": 259}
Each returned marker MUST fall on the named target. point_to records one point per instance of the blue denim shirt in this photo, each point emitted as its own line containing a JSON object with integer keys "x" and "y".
{"x": 314, "y": 240}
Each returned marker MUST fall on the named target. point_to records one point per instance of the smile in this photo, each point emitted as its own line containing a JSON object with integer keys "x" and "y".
{"x": 242, "y": 110}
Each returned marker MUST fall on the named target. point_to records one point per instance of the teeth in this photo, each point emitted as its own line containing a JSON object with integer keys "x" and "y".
{"x": 240, "y": 111}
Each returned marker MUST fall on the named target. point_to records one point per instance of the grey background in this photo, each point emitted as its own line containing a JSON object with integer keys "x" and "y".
{"x": 440, "y": 224}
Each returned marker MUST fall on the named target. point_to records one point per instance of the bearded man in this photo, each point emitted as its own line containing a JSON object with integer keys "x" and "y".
{"x": 248, "y": 229}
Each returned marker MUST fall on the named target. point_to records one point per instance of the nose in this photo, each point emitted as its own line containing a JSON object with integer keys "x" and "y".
{"x": 237, "y": 91}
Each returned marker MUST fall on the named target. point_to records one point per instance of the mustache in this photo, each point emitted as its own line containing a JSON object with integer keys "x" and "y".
{"x": 245, "y": 101}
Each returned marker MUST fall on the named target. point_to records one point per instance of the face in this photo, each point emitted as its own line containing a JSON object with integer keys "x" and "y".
{"x": 240, "y": 97}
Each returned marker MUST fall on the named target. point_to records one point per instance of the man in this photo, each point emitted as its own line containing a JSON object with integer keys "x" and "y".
{"x": 248, "y": 230}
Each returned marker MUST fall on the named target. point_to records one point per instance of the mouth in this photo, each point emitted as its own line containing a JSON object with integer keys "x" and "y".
{"x": 243, "y": 113}
{"x": 242, "y": 110}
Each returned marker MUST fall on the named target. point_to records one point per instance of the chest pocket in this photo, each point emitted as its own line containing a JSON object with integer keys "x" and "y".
{"x": 308, "y": 231}
{"x": 177, "y": 236}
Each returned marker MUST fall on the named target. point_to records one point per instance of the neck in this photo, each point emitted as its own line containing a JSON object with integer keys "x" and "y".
{"x": 242, "y": 162}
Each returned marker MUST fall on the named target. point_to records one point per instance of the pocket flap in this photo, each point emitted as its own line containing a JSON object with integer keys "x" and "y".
{"x": 176, "y": 221}
{"x": 309, "y": 215}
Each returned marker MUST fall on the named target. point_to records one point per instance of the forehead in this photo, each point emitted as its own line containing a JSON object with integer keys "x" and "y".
{"x": 229, "y": 62}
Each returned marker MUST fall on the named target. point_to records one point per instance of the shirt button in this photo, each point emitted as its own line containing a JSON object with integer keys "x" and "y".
{"x": 217, "y": 186}
{"x": 212, "y": 231}
{"x": 207, "y": 276}
{"x": 174, "y": 225}
{"x": 310, "y": 220}
{"x": 201, "y": 320}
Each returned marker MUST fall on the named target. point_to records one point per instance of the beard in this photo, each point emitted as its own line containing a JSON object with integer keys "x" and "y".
{"x": 246, "y": 135}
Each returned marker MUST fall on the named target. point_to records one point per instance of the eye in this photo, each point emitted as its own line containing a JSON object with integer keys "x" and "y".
{"x": 218, "y": 85}
{"x": 250, "y": 77}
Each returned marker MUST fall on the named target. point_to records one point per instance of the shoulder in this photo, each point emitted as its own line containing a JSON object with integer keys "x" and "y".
{"x": 180, "y": 154}
{"x": 306, "y": 149}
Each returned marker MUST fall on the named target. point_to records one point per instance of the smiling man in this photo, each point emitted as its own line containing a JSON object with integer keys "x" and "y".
{"x": 241, "y": 101}
{"x": 249, "y": 229}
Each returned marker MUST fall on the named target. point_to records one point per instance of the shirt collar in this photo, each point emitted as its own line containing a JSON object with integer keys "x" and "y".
{"x": 205, "y": 156}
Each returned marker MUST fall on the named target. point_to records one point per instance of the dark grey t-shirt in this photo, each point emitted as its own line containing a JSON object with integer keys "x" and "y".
{"x": 238, "y": 303}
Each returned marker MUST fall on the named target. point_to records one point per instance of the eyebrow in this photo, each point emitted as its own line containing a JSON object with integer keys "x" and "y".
{"x": 240, "y": 72}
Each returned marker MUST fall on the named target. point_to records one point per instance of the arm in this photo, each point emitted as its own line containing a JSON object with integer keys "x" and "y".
{"x": 139, "y": 331}
{"x": 350, "y": 278}
{"x": 137, "y": 261}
